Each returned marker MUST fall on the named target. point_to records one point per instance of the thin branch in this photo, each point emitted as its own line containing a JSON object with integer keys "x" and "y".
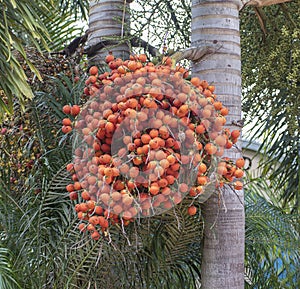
{"x": 173, "y": 15}
{"x": 261, "y": 19}
{"x": 288, "y": 15}
{"x": 138, "y": 42}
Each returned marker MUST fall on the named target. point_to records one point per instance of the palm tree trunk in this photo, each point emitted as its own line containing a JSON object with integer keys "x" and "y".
{"x": 217, "y": 22}
{"x": 108, "y": 18}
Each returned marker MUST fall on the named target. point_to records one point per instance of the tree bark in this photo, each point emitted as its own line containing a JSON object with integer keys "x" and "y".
{"x": 108, "y": 19}
{"x": 217, "y": 23}
{"x": 262, "y": 3}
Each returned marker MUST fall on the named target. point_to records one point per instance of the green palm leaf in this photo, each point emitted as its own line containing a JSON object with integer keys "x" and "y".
{"x": 272, "y": 240}
{"x": 21, "y": 21}
{"x": 33, "y": 24}
{"x": 7, "y": 275}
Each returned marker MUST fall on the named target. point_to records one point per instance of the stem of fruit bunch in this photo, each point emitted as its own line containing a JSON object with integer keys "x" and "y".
{"x": 166, "y": 84}
{"x": 99, "y": 255}
{"x": 136, "y": 236}
{"x": 123, "y": 19}
{"x": 120, "y": 251}
{"x": 222, "y": 200}
{"x": 151, "y": 207}
{"x": 109, "y": 238}
{"x": 177, "y": 219}
{"x": 171, "y": 133}
{"x": 177, "y": 159}
{"x": 135, "y": 201}
{"x": 138, "y": 191}
{"x": 148, "y": 155}
{"x": 217, "y": 214}
{"x": 77, "y": 246}
{"x": 191, "y": 163}
{"x": 124, "y": 233}
{"x": 193, "y": 200}
{"x": 130, "y": 158}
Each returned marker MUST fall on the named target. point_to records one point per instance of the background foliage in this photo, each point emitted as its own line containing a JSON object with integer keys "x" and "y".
{"x": 271, "y": 81}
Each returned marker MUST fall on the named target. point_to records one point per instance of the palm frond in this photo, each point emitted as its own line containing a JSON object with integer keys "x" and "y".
{"x": 22, "y": 23}
{"x": 7, "y": 275}
{"x": 163, "y": 252}
{"x": 62, "y": 25}
{"x": 272, "y": 240}
{"x": 78, "y": 8}
{"x": 43, "y": 25}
